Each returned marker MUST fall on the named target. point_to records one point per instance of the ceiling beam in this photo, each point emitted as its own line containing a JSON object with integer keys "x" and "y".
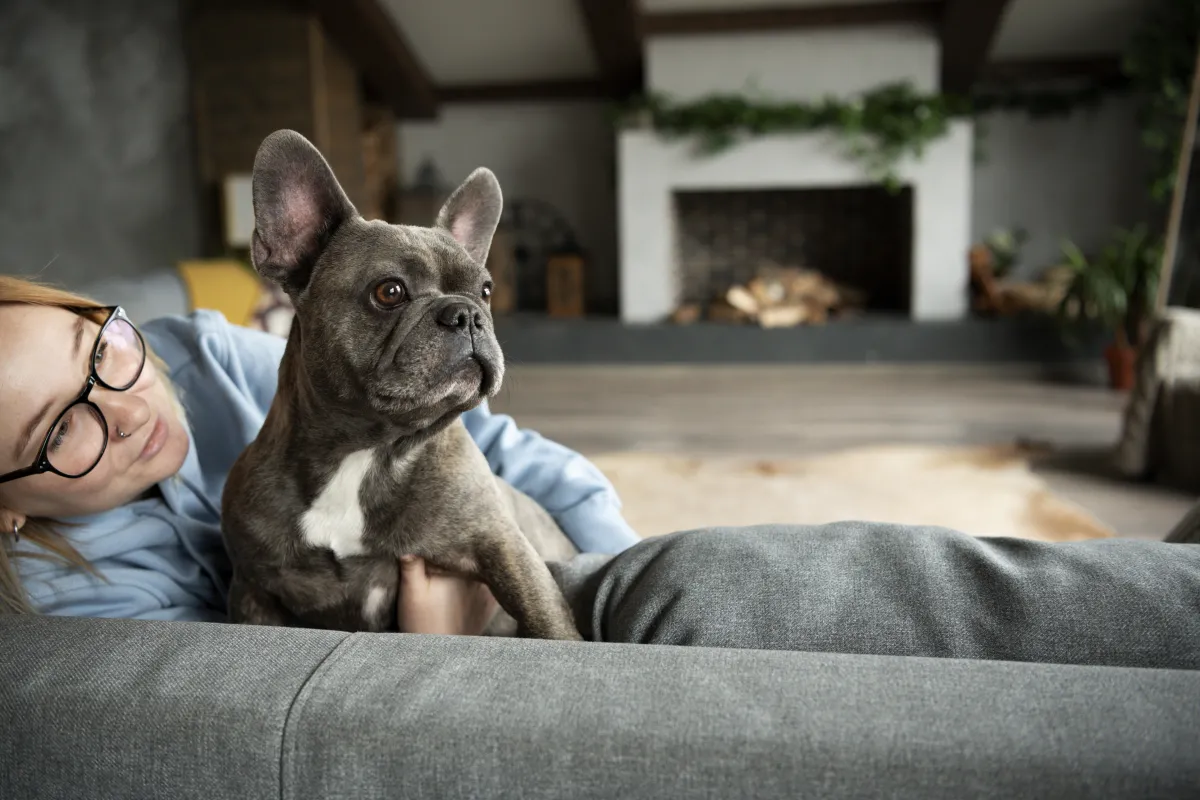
{"x": 969, "y": 29}
{"x": 525, "y": 91}
{"x": 682, "y": 23}
{"x": 374, "y": 43}
{"x": 1033, "y": 70}
{"x": 616, "y": 40}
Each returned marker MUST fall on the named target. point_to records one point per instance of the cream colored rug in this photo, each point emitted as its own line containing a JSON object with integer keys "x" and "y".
{"x": 987, "y": 491}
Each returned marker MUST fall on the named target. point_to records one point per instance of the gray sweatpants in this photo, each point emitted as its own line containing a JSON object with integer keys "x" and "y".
{"x": 855, "y": 587}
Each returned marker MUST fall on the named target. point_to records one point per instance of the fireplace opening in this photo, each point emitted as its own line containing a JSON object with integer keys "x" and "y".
{"x": 859, "y": 237}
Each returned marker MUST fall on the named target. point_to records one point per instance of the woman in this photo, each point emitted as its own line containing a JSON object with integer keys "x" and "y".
{"x": 115, "y": 445}
{"x": 143, "y": 513}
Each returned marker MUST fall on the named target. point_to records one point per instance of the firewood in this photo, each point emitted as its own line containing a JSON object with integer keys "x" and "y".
{"x": 740, "y": 298}
{"x": 783, "y": 316}
{"x": 720, "y": 311}
{"x": 686, "y": 314}
{"x": 767, "y": 292}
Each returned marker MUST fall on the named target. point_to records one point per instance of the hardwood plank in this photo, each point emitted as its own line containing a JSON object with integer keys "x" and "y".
{"x": 526, "y": 91}
{"x": 373, "y": 41}
{"x": 616, "y": 39}
{"x": 969, "y": 28}
{"x": 679, "y": 23}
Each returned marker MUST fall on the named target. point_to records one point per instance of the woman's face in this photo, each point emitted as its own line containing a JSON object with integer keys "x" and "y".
{"x": 44, "y": 364}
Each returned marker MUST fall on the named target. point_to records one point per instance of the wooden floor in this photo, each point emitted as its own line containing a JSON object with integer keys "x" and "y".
{"x": 784, "y": 410}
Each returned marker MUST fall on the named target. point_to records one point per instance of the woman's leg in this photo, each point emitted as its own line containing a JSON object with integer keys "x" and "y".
{"x": 856, "y": 587}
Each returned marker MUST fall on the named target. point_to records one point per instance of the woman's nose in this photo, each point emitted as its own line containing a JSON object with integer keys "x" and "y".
{"x": 126, "y": 412}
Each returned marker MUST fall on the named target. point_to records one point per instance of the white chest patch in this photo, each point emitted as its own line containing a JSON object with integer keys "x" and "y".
{"x": 335, "y": 519}
{"x": 373, "y": 605}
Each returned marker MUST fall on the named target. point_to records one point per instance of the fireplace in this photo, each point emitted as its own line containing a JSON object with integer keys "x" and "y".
{"x": 690, "y": 222}
{"x": 857, "y": 236}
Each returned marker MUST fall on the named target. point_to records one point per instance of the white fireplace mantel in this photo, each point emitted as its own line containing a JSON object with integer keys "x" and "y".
{"x": 651, "y": 169}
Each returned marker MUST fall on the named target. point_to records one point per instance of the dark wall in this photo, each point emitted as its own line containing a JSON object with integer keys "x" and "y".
{"x": 96, "y": 159}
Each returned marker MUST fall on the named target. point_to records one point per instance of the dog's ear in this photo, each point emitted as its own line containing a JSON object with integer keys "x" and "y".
{"x": 298, "y": 204}
{"x": 473, "y": 212}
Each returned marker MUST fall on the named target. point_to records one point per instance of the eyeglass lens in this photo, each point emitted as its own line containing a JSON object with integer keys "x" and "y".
{"x": 77, "y": 440}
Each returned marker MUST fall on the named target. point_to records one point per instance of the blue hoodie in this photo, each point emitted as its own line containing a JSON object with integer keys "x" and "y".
{"x": 163, "y": 558}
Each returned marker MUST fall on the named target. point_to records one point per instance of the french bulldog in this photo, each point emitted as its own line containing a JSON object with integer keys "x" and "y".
{"x": 363, "y": 456}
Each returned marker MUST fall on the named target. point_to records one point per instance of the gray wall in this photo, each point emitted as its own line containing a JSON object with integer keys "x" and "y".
{"x": 1077, "y": 177}
{"x": 96, "y": 157}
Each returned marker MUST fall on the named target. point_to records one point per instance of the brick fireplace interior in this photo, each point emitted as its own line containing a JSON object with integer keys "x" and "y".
{"x": 857, "y": 236}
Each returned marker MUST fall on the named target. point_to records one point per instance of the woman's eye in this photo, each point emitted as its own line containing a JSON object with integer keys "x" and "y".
{"x": 100, "y": 351}
{"x": 60, "y": 435}
{"x": 389, "y": 294}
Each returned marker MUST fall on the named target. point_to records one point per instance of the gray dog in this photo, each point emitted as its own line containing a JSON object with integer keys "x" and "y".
{"x": 363, "y": 456}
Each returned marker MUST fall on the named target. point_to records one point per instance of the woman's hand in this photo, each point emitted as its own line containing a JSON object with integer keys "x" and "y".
{"x": 434, "y": 601}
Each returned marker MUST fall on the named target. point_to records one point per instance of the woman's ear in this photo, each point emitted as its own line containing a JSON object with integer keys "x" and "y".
{"x": 11, "y": 523}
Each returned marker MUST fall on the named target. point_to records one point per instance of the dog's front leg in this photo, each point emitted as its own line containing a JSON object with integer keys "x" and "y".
{"x": 249, "y": 606}
{"x": 524, "y": 587}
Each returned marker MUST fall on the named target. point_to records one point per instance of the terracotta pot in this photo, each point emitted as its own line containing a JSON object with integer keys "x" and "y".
{"x": 1122, "y": 363}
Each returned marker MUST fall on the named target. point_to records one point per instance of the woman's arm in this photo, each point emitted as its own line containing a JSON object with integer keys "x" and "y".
{"x": 566, "y": 484}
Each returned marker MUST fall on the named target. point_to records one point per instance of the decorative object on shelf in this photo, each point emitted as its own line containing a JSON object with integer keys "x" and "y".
{"x": 1115, "y": 289}
{"x": 565, "y": 284}
{"x": 502, "y": 264}
{"x": 419, "y": 203}
{"x": 538, "y": 231}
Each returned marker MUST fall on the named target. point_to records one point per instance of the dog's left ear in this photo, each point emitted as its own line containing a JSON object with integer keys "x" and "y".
{"x": 298, "y": 205}
{"x": 473, "y": 212}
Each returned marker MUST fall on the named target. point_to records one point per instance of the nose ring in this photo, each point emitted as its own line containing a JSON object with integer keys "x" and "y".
{"x": 16, "y": 532}
{"x": 122, "y": 434}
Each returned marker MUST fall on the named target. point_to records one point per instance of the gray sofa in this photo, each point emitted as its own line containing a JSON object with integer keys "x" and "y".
{"x": 118, "y": 708}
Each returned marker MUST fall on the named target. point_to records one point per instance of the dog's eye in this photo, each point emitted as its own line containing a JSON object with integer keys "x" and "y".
{"x": 389, "y": 294}
{"x": 487, "y": 291}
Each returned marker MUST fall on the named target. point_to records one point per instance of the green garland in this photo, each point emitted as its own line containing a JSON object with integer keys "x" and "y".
{"x": 880, "y": 128}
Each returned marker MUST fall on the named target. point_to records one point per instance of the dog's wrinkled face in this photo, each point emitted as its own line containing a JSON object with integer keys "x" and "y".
{"x": 392, "y": 319}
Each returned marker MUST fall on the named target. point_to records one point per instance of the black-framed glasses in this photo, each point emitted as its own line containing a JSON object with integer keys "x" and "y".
{"x": 76, "y": 442}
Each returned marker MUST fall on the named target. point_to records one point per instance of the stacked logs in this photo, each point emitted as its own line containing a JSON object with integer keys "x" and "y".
{"x": 777, "y": 297}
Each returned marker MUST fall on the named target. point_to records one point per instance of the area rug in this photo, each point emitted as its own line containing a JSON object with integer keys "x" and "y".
{"x": 985, "y": 491}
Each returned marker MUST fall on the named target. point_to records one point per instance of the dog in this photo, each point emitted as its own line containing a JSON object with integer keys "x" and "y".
{"x": 363, "y": 457}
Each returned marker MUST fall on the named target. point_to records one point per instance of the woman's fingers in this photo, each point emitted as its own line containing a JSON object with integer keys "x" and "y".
{"x": 432, "y": 600}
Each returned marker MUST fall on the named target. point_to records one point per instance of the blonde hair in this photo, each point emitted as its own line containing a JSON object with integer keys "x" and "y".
{"x": 45, "y": 533}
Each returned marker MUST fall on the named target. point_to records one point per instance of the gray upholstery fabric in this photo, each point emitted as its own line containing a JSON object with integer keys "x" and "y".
{"x": 442, "y": 717}
{"x": 855, "y": 587}
{"x": 116, "y": 708}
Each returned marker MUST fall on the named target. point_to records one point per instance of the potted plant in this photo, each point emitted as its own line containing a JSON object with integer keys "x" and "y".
{"x": 1115, "y": 290}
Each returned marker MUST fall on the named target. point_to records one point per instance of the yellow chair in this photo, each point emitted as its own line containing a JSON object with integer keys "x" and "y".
{"x": 224, "y": 285}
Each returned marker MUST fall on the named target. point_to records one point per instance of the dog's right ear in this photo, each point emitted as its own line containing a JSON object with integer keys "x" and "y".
{"x": 298, "y": 204}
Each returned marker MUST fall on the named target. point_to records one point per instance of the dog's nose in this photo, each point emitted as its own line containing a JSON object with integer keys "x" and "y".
{"x": 460, "y": 316}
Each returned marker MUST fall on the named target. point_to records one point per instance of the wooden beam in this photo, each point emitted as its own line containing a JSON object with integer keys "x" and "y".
{"x": 1034, "y": 70}
{"x": 968, "y": 30}
{"x": 376, "y": 46}
{"x": 616, "y": 40}
{"x": 683, "y": 23}
{"x": 526, "y": 91}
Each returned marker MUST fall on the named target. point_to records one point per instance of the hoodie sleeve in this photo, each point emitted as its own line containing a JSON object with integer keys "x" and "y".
{"x": 572, "y": 489}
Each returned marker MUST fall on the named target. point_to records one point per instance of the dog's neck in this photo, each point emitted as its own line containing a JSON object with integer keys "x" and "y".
{"x": 318, "y": 430}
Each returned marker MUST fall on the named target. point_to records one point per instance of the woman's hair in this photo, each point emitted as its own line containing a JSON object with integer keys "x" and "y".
{"x": 46, "y": 533}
